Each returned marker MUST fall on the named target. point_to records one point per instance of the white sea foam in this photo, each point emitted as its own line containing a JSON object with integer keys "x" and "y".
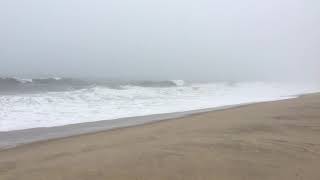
{"x": 23, "y": 80}
{"x": 179, "y": 82}
{"x": 49, "y": 109}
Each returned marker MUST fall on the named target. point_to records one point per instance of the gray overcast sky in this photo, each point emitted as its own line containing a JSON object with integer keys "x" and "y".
{"x": 161, "y": 39}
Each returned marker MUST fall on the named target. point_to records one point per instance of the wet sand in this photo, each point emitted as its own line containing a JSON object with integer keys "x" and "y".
{"x": 273, "y": 140}
{"x": 16, "y": 138}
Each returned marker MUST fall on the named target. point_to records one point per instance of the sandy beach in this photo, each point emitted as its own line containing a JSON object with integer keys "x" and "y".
{"x": 273, "y": 140}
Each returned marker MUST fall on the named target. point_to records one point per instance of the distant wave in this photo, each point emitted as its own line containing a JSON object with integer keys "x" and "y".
{"x": 169, "y": 83}
{"x": 14, "y": 85}
{"x": 179, "y": 82}
{"x": 15, "y": 80}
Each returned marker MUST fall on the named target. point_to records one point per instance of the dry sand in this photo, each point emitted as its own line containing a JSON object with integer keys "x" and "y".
{"x": 274, "y": 140}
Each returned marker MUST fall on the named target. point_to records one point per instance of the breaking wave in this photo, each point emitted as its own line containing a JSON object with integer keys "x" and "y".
{"x": 95, "y": 100}
{"x": 13, "y": 85}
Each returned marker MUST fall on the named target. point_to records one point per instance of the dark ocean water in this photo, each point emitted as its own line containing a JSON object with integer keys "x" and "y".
{"x": 11, "y": 85}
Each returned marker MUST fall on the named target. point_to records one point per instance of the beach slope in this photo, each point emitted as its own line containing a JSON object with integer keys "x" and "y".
{"x": 273, "y": 140}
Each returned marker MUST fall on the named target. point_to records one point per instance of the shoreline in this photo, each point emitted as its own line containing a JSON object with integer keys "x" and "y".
{"x": 16, "y": 138}
{"x": 267, "y": 140}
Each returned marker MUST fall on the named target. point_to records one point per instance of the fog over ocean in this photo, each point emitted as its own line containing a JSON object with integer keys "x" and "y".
{"x": 132, "y": 58}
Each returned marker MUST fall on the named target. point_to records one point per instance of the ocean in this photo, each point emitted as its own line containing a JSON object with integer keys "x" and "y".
{"x": 47, "y": 102}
